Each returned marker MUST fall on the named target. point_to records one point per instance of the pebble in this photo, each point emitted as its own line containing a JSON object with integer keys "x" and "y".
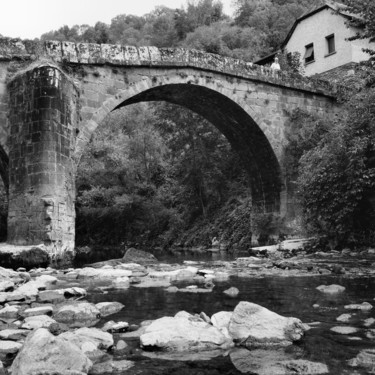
{"x": 364, "y": 306}
{"x": 344, "y": 330}
{"x": 344, "y": 318}
{"x": 232, "y": 292}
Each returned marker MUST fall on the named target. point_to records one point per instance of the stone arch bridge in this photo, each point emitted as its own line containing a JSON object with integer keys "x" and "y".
{"x": 53, "y": 95}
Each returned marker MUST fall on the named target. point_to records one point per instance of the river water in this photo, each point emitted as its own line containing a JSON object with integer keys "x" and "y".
{"x": 288, "y": 296}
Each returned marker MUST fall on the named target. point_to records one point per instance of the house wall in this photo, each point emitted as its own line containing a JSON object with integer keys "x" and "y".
{"x": 314, "y": 29}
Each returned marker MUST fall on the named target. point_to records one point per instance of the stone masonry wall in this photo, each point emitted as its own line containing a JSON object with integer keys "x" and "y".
{"x": 42, "y": 114}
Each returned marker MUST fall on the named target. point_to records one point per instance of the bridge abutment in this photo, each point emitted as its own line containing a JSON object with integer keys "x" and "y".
{"x": 43, "y": 121}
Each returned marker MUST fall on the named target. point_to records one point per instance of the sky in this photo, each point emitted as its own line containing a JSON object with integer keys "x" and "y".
{"x": 29, "y": 19}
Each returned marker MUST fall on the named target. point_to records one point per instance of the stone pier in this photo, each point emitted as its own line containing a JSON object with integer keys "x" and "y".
{"x": 43, "y": 121}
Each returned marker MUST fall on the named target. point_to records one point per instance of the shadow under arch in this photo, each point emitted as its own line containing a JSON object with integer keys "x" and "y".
{"x": 4, "y": 168}
{"x": 239, "y": 128}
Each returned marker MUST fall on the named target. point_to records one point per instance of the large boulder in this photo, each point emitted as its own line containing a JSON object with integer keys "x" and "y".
{"x": 89, "y": 340}
{"x": 183, "y": 333}
{"x": 274, "y": 362}
{"x": 44, "y": 353}
{"x": 138, "y": 256}
{"x": 254, "y": 325}
{"x": 77, "y": 314}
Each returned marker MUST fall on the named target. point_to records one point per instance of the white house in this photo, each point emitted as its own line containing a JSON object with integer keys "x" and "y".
{"x": 320, "y": 37}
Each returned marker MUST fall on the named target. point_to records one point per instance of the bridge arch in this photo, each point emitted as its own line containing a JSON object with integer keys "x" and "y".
{"x": 231, "y": 114}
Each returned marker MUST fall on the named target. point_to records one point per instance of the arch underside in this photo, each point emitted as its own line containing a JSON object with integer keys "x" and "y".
{"x": 240, "y": 129}
{"x": 4, "y": 168}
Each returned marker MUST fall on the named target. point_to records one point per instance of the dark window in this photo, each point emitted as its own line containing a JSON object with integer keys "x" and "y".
{"x": 330, "y": 43}
{"x": 309, "y": 53}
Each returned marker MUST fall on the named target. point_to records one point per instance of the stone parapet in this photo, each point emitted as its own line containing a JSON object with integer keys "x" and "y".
{"x": 118, "y": 55}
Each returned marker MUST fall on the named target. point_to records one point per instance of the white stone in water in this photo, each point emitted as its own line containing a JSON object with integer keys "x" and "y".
{"x": 274, "y": 362}
{"x": 75, "y": 291}
{"x": 13, "y": 334}
{"x": 344, "y": 318}
{"x": 40, "y": 321}
{"x": 10, "y": 312}
{"x": 344, "y": 330}
{"x": 331, "y": 289}
{"x": 368, "y": 322}
{"x": 44, "y": 353}
{"x": 153, "y": 283}
{"x": 221, "y": 321}
{"x": 232, "y": 292}
{"x": 194, "y": 290}
{"x": 359, "y": 306}
{"x": 365, "y": 358}
{"x": 112, "y": 326}
{"x": 183, "y": 334}
{"x": 221, "y": 276}
{"x": 42, "y": 310}
{"x": 77, "y": 314}
{"x": 254, "y": 325}
{"x": 9, "y": 347}
{"x": 101, "y": 273}
{"x": 46, "y": 279}
{"x": 121, "y": 282}
{"x": 5, "y": 285}
{"x": 56, "y": 295}
{"x": 109, "y": 367}
{"x": 172, "y": 289}
{"x": 98, "y": 338}
{"x": 370, "y": 334}
{"x": 109, "y": 308}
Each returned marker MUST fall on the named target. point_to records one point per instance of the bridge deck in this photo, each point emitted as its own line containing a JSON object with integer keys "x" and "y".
{"x": 117, "y": 55}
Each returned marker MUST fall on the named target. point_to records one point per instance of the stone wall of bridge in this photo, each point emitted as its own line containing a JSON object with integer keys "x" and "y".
{"x": 43, "y": 118}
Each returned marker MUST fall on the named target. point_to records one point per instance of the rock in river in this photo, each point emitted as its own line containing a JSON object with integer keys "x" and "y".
{"x": 254, "y": 325}
{"x": 274, "y": 362}
{"x": 183, "y": 333}
{"x": 77, "y": 314}
{"x": 44, "y": 353}
{"x": 331, "y": 289}
{"x": 109, "y": 308}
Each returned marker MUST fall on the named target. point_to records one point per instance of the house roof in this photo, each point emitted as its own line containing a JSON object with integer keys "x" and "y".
{"x": 266, "y": 59}
{"x": 338, "y": 8}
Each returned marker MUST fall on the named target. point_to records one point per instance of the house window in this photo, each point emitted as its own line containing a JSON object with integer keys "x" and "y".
{"x": 331, "y": 43}
{"x": 309, "y": 53}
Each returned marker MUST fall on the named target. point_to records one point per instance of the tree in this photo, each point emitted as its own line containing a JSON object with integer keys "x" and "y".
{"x": 363, "y": 19}
{"x": 337, "y": 177}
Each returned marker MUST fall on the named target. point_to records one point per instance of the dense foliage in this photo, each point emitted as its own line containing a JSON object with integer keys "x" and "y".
{"x": 337, "y": 168}
{"x": 150, "y": 173}
{"x": 363, "y": 12}
{"x": 257, "y": 29}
